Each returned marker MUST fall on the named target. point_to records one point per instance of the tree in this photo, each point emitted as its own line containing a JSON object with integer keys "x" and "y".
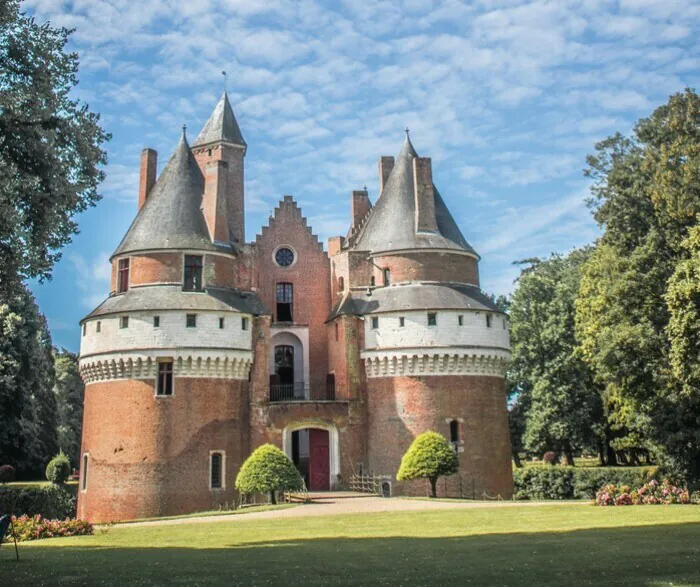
{"x": 646, "y": 198}
{"x": 69, "y": 391}
{"x": 50, "y": 147}
{"x": 268, "y": 470}
{"x": 430, "y": 456}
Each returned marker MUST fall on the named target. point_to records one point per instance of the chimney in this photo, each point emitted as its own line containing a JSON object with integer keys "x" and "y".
{"x": 359, "y": 206}
{"x": 386, "y": 164}
{"x": 424, "y": 195}
{"x": 147, "y": 176}
{"x": 335, "y": 243}
{"x": 214, "y": 201}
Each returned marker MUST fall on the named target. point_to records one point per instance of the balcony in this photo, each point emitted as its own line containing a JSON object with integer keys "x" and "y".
{"x": 302, "y": 392}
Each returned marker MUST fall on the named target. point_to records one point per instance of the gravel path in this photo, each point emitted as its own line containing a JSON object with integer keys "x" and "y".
{"x": 352, "y": 506}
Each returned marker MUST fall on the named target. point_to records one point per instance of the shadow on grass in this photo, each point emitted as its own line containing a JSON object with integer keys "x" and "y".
{"x": 643, "y": 555}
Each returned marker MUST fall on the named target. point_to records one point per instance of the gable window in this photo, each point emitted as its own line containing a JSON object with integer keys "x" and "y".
{"x": 284, "y": 257}
{"x": 402, "y": 321}
{"x": 375, "y": 322}
{"x": 156, "y": 321}
{"x": 216, "y": 470}
{"x": 285, "y": 295}
{"x": 387, "y": 276}
{"x": 123, "y": 322}
{"x": 98, "y": 328}
{"x": 191, "y": 321}
{"x": 460, "y": 320}
{"x": 84, "y": 472}
{"x": 123, "y": 276}
{"x": 432, "y": 319}
{"x": 221, "y": 323}
{"x": 193, "y": 273}
{"x": 488, "y": 320}
{"x": 244, "y": 323}
{"x": 165, "y": 378}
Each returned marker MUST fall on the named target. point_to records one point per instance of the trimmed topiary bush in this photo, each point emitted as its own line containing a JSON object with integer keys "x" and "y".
{"x": 429, "y": 457}
{"x": 7, "y": 474}
{"x": 268, "y": 470}
{"x": 58, "y": 470}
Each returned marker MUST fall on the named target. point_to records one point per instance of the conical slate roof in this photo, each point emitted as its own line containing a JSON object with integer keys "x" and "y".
{"x": 171, "y": 217}
{"x": 221, "y": 126}
{"x": 391, "y": 225}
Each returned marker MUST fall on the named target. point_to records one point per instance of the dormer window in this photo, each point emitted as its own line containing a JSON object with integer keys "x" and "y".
{"x": 193, "y": 273}
{"x": 123, "y": 276}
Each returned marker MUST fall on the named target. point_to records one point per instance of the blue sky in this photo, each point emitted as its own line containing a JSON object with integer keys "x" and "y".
{"x": 506, "y": 97}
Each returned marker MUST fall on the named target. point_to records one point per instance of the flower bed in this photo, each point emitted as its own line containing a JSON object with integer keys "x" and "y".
{"x": 651, "y": 493}
{"x": 36, "y": 528}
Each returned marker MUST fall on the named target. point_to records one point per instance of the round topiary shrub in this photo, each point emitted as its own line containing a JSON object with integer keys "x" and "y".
{"x": 430, "y": 456}
{"x": 58, "y": 470}
{"x": 268, "y": 470}
{"x": 7, "y": 474}
{"x": 550, "y": 458}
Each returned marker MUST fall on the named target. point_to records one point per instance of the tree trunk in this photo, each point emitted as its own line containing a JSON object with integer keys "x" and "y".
{"x": 634, "y": 461}
{"x": 516, "y": 459}
{"x": 568, "y": 455}
{"x": 273, "y": 498}
{"x": 611, "y": 461}
{"x": 601, "y": 454}
{"x": 433, "y": 486}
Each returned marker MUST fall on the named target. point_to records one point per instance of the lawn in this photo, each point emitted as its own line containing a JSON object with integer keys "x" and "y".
{"x": 524, "y": 545}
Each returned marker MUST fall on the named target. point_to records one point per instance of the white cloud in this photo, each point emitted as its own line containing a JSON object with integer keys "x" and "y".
{"x": 93, "y": 277}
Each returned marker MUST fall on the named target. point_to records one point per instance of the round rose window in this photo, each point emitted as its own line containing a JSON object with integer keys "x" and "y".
{"x": 284, "y": 257}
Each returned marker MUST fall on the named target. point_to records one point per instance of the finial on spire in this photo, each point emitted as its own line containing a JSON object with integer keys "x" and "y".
{"x": 365, "y": 188}
{"x": 407, "y": 131}
{"x": 184, "y": 130}
{"x": 225, "y": 80}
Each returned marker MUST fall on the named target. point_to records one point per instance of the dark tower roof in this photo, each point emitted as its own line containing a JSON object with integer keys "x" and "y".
{"x": 391, "y": 225}
{"x": 171, "y": 217}
{"x": 221, "y": 126}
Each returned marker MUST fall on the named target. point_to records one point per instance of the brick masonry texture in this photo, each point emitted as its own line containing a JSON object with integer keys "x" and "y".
{"x": 408, "y": 267}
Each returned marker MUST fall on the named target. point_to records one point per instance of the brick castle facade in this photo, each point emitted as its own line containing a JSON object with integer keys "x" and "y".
{"x": 208, "y": 346}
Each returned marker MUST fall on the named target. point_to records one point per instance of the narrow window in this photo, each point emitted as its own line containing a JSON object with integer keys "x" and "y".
{"x": 191, "y": 321}
{"x": 336, "y": 331}
{"x": 123, "y": 277}
{"x": 341, "y": 284}
{"x": 216, "y": 469}
{"x": 221, "y": 324}
{"x": 156, "y": 321}
{"x": 98, "y": 328}
{"x": 387, "y": 276}
{"x": 209, "y": 152}
{"x": 84, "y": 329}
{"x": 330, "y": 386}
{"x": 193, "y": 273}
{"x": 244, "y": 323}
{"x": 432, "y": 319}
{"x": 85, "y": 471}
{"x": 375, "y": 322}
{"x": 165, "y": 378}
{"x": 402, "y": 322}
{"x": 454, "y": 431}
{"x": 124, "y": 322}
{"x": 372, "y": 281}
{"x": 460, "y": 320}
{"x": 285, "y": 295}
{"x": 504, "y": 322}
{"x": 488, "y": 320}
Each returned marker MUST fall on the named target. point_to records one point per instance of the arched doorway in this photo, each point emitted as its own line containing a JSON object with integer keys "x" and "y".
{"x": 314, "y": 450}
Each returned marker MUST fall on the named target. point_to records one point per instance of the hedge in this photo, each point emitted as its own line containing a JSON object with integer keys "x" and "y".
{"x": 49, "y": 501}
{"x": 556, "y": 482}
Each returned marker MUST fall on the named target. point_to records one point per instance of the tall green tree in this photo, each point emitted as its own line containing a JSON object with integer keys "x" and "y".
{"x": 50, "y": 146}
{"x": 69, "y": 391}
{"x": 632, "y": 330}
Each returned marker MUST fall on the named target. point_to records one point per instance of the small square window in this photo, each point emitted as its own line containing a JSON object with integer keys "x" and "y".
{"x": 432, "y": 319}
{"x": 488, "y": 320}
{"x": 84, "y": 329}
{"x": 375, "y": 322}
{"x": 460, "y": 320}
{"x": 244, "y": 323}
{"x": 221, "y": 323}
{"x": 156, "y": 321}
{"x": 98, "y": 328}
{"x": 402, "y": 322}
{"x": 191, "y": 321}
{"x": 124, "y": 322}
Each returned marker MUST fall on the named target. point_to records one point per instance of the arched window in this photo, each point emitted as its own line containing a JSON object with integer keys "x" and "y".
{"x": 341, "y": 284}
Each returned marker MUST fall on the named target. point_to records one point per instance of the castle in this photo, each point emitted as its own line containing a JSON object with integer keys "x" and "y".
{"x": 208, "y": 346}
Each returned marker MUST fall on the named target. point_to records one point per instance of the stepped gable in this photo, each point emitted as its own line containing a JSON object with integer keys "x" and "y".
{"x": 391, "y": 223}
{"x": 221, "y": 126}
{"x": 287, "y": 205}
{"x": 171, "y": 217}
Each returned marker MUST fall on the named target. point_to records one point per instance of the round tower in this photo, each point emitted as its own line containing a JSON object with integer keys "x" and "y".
{"x": 166, "y": 357}
{"x": 435, "y": 347}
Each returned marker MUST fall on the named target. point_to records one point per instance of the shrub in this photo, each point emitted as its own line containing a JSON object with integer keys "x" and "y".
{"x": 58, "y": 470}
{"x": 430, "y": 456}
{"x": 550, "y": 458}
{"x": 49, "y": 501}
{"x": 36, "y": 528}
{"x": 7, "y": 474}
{"x": 268, "y": 470}
{"x": 652, "y": 493}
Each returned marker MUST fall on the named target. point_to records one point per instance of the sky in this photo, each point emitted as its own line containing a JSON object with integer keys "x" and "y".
{"x": 507, "y": 98}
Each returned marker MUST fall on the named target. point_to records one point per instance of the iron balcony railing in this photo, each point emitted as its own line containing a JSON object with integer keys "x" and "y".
{"x": 301, "y": 392}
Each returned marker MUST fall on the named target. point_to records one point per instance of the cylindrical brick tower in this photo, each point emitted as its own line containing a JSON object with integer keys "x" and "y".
{"x": 435, "y": 347}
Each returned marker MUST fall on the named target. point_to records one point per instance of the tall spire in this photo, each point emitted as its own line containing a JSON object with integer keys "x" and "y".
{"x": 221, "y": 126}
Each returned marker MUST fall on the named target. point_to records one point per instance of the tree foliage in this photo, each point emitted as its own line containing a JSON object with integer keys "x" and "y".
{"x": 430, "y": 456}
{"x": 50, "y": 146}
{"x": 58, "y": 469}
{"x": 268, "y": 470}
{"x": 69, "y": 391}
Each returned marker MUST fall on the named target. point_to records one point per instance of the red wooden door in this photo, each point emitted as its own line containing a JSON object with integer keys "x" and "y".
{"x": 319, "y": 463}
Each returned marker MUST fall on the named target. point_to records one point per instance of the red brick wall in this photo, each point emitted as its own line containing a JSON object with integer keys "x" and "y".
{"x": 400, "y": 408}
{"x": 427, "y": 267}
{"x": 150, "y": 456}
{"x": 154, "y": 268}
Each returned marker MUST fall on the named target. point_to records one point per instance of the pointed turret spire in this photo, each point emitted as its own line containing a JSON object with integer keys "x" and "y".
{"x": 221, "y": 126}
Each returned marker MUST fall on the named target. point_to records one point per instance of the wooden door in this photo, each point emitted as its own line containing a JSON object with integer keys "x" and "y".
{"x": 319, "y": 460}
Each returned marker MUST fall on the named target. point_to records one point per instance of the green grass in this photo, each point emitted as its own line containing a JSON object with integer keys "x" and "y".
{"x": 212, "y": 513}
{"x": 543, "y": 545}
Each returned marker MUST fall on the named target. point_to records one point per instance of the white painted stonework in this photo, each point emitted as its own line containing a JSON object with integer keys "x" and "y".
{"x": 425, "y": 362}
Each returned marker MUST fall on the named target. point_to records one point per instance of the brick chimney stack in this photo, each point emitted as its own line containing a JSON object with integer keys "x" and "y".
{"x": 424, "y": 195}
{"x": 359, "y": 206}
{"x": 214, "y": 201}
{"x": 386, "y": 164}
{"x": 147, "y": 176}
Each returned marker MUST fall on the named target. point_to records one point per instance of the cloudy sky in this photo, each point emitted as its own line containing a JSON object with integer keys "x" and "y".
{"x": 507, "y": 98}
